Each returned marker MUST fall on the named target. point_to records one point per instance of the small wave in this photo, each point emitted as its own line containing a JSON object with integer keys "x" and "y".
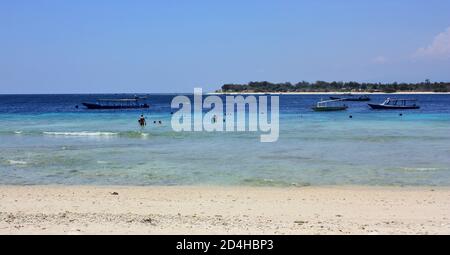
{"x": 133, "y": 134}
{"x": 83, "y": 133}
{"x": 17, "y": 162}
{"x": 420, "y": 169}
{"x": 271, "y": 182}
{"x": 126, "y": 134}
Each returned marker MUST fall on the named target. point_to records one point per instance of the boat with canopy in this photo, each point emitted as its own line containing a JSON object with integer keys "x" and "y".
{"x": 330, "y": 105}
{"x": 396, "y": 104}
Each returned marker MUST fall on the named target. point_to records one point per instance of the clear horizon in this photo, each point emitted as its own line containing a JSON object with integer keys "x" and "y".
{"x": 55, "y": 47}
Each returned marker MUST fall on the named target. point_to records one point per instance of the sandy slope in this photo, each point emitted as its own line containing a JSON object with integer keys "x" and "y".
{"x": 223, "y": 210}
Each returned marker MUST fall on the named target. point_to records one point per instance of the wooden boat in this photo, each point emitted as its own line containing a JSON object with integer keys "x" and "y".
{"x": 124, "y": 103}
{"x": 351, "y": 98}
{"x": 329, "y": 105}
{"x": 396, "y": 104}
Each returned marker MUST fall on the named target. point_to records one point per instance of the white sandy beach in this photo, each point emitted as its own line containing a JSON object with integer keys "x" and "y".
{"x": 223, "y": 210}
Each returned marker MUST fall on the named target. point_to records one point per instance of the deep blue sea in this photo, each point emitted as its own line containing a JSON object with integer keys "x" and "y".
{"x": 45, "y": 139}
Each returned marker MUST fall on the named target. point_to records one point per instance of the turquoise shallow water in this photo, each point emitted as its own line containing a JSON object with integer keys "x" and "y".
{"x": 44, "y": 139}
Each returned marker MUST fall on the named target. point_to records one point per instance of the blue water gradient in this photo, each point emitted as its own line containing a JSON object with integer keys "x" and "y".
{"x": 44, "y": 139}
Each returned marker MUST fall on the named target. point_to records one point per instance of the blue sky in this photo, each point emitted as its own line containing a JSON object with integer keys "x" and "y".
{"x": 90, "y": 46}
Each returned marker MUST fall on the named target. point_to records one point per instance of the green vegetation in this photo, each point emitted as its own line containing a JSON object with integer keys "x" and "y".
{"x": 323, "y": 86}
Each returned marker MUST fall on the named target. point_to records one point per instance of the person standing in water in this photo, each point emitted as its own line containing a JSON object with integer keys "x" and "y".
{"x": 142, "y": 121}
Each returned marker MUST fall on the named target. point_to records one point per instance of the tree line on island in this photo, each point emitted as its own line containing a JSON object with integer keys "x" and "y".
{"x": 335, "y": 86}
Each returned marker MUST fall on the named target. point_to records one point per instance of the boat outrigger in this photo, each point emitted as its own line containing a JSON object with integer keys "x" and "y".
{"x": 350, "y": 97}
{"x": 123, "y": 103}
{"x": 329, "y": 105}
{"x": 396, "y": 104}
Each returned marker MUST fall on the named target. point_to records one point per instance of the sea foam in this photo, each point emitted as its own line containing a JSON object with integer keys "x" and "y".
{"x": 82, "y": 133}
{"x": 17, "y": 162}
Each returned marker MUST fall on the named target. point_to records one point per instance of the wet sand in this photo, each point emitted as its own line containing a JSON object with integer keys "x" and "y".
{"x": 223, "y": 210}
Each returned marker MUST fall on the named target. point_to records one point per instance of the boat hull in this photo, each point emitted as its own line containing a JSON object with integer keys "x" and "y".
{"x": 330, "y": 109}
{"x": 392, "y": 107}
{"x": 109, "y": 107}
{"x": 351, "y": 99}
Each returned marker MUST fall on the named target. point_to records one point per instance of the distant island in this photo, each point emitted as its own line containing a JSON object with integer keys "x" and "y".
{"x": 335, "y": 86}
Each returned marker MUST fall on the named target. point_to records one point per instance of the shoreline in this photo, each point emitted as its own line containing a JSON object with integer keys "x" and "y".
{"x": 58, "y": 209}
{"x": 327, "y": 93}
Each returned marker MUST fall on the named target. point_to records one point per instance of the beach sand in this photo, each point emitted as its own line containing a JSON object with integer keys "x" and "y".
{"x": 223, "y": 210}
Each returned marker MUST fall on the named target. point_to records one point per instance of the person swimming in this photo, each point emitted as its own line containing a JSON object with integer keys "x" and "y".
{"x": 142, "y": 121}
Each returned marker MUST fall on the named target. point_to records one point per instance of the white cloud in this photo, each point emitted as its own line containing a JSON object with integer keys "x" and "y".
{"x": 380, "y": 60}
{"x": 439, "y": 48}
